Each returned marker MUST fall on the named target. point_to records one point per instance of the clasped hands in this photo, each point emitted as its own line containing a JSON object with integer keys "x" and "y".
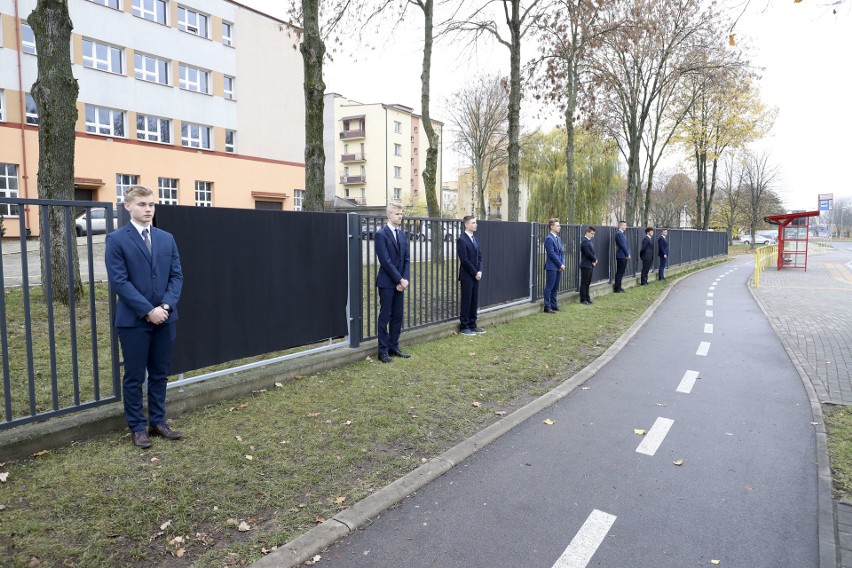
{"x": 403, "y": 284}
{"x": 157, "y": 316}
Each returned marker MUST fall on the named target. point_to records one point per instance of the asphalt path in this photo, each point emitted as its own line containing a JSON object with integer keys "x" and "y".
{"x": 589, "y": 490}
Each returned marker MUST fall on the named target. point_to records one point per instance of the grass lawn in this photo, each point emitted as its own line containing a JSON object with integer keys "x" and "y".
{"x": 283, "y": 460}
{"x": 838, "y": 420}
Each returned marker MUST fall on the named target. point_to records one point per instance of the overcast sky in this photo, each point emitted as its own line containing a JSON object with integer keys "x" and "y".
{"x": 803, "y": 48}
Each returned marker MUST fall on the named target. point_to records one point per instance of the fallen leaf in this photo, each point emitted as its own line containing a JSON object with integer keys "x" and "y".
{"x": 471, "y": 353}
{"x": 4, "y": 476}
{"x": 180, "y": 552}
{"x": 232, "y": 522}
{"x": 284, "y": 442}
{"x": 678, "y": 462}
{"x": 585, "y": 388}
{"x": 320, "y": 520}
{"x": 476, "y": 404}
{"x": 239, "y": 438}
{"x": 815, "y": 423}
{"x": 500, "y": 413}
{"x": 2, "y": 507}
{"x": 549, "y": 422}
{"x": 660, "y": 404}
{"x": 313, "y": 414}
{"x": 279, "y": 385}
{"x": 639, "y": 431}
{"x": 34, "y": 561}
{"x": 340, "y": 500}
{"x": 41, "y": 453}
{"x": 155, "y": 461}
{"x": 244, "y": 527}
{"x": 715, "y": 562}
{"x": 313, "y": 560}
{"x": 348, "y": 422}
{"x": 243, "y": 405}
{"x": 268, "y": 550}
{"x": 165, "y": 525}
{"x": 249, "y": 458}
{"x": 177, "y": 540}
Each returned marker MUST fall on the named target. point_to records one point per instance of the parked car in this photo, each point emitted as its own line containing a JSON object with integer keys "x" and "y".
{"x": 451, "y": 231}
{"x": 98, "y": 221}
{"x": 758, "y": 240}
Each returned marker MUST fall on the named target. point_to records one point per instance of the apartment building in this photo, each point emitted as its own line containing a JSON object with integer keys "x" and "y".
{"x": 375, "y": 154}
{"x": 201, "y": 100}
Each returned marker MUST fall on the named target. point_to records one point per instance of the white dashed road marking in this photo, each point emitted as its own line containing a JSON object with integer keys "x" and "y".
{"x": 687, "y": 382}
{"x": 708, "y": 328}
{"x": 655, "y": 436}
{"x": 709, "y": 302}
{"x": 709, "y": 294}
{"x": 587, "y": 540}
{"x": 708, "y": 313}
{"x": 703, "y": 348}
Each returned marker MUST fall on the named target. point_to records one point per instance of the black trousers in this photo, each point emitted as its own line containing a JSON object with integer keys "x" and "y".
{"x": 390, "y": 315}
{"x": 469, "y": 303}
{"x": 620, "y": 266}
{"x": 646, "y": 268}
{"x": 585, "y": 282}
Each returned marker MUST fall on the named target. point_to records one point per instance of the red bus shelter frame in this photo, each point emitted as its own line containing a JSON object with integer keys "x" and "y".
{"x": 792, "y": 245}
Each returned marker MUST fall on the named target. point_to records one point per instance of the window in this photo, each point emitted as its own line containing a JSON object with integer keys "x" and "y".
{"x": 397, "y": 172}
{"x": 195, "y": 135}
{"x": 415, "y": 172}
{"x": 204, "y": 194}
{"x": 123, "y": 183}
{"x": 28, "y": 44}
{"x": 192, "y": 79}
{"x": 8, "y": 187}
{"x": 108, "y": 3}
{"x": 397, "y": 127}
{"x": 298, "y": 199}
{"x": 31, "y": 110}
{"x": 168, "y": 189}
{"x": 106, "y": 121}
{"x": 397, "y": 194}
{"x": 2, "y": 106}
{"x": 153, "y": 129}
{"x": 415, "y": 151}
{"x": 101, "y": 56}
{"x": 397, "y": 149}
{"x": 231, "y": 141}
{"x": 192, "y": 22}
{"x": 228, "y": 33}
{"x": 229, "y": 88}
{"x": 153, "y": 10}
{"x": 149, "y": 68}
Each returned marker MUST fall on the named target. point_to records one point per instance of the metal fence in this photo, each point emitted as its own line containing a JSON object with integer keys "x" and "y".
{"x": 58, "y": 359}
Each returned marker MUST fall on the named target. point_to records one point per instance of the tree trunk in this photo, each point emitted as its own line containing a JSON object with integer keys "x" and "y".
{"x": 647, "y": 208}
{"x": 55, "y": 93}
{"x": 708, "y": 201}
{"x": 514, "y": 191}
{"x": 430, "y": 172}
{"x": 479, "y": 184}
{"x": 569, "y": 149}
{"x": 632, "y": 182}
{"x": 700, "y": 167}
{"x": 313, "y": 52}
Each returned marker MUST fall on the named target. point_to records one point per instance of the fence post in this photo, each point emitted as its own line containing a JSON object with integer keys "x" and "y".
{"x": 533, "y": 264}
{"x": 355, "y": 307}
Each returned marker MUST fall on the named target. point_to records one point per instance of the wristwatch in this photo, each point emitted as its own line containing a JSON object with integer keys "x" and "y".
{"x": 166, "y": 307}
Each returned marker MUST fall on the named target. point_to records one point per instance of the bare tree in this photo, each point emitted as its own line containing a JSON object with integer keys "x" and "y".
{"x": 730, "y": 190}
{"x": 55, "y": 93}
{"x": 670, "y": 196}
{"x": 480, "y": 118}
{"x": 759, "y": 177}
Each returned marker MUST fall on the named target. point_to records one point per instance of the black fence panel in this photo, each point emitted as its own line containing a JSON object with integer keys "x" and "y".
{"x": 604, "y": 243}
{"x": 255, "y": 281}
{"x": 506, "y": 261}
{"x": 675, "y": 247}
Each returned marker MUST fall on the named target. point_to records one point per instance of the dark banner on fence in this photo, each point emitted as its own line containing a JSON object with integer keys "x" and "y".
{"x": 255, "y": 281}
{"x": 506, "y": 261}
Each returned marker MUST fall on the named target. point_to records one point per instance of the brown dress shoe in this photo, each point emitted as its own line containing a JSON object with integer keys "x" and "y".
{"x": 164, "y": 431}
{"x": 140, "y": 439}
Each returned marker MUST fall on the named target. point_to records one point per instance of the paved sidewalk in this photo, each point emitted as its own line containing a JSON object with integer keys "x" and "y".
{"x": 813, "y": 310}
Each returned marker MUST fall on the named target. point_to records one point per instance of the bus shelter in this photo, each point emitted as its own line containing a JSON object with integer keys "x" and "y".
{"x": 793, "y": 234}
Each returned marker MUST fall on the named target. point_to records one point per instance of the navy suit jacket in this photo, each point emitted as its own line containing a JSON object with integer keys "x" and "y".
{"x": 555, "y": 254}
{"x": 393, "y": 258}
{"x": 141, "y": 279}
{"x": 662, "y": 247}
{"x": 646, "y": 253}
{"x": 470, "y": 258}
{"x": 587, "y": 253}
{"x": 621, "y": 248}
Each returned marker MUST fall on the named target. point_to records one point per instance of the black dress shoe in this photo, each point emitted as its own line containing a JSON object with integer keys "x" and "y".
{"x": 548, "y": 311}
{"x": 555, "y": 309}
{"x": 384, "y": 358}
{"x": 140, "y": 439}
{"x": 399, "y": 353}
{"x": 164, "y": 431}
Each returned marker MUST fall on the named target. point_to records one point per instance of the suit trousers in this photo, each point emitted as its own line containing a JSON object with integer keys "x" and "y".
{"x": 551, "y": 287}
{"x": 585, "y": 282}
{"x": 620, "y": 266}
{"x": 663, "y": 263}
{"x": 390, "y": 315}
{"x": 646, "y": 268}
{"x": 469, "y": 303}
{"x": 148, "y": 347}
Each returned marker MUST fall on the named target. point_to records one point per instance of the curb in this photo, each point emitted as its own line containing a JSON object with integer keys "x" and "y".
{"x": 319, "y": 538}
{"x": 826, "y": 518}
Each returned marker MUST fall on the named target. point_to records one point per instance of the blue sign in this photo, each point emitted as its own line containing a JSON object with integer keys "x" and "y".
{"x": 825, "y": 205}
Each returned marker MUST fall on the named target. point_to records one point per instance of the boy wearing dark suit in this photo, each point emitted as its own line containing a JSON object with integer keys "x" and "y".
{"x": 588, "y": 260}
{"x": 622, "y": 255}
{"x": 470, "y": 273}
{"x": 646, "y": 253}
{"x": 554, "y": 265}
{"x": 391, "y": 280}
{"x": 144, "y": 270}
{"x": 663, "y": 253}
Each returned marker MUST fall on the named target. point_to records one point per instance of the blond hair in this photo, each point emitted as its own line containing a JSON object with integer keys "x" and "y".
{"x": 135, "y": 191}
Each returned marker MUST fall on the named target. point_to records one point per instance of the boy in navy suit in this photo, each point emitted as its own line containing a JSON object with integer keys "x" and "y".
{"x": 646, "y": 253}
{"x": 663, "y": 252}
{"x": 143, "y": 267}
{"x": 470, "y": 273}
{"x": 588, "y": 260}
{"x": 391, "y": 280}
{"x": 622, "y": 255}
{"x": 553, "y": 266}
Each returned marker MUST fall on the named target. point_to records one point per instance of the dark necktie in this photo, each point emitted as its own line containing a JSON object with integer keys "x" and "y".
{"x": 146, "y": 239}
{"x": 396, "y": 236}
